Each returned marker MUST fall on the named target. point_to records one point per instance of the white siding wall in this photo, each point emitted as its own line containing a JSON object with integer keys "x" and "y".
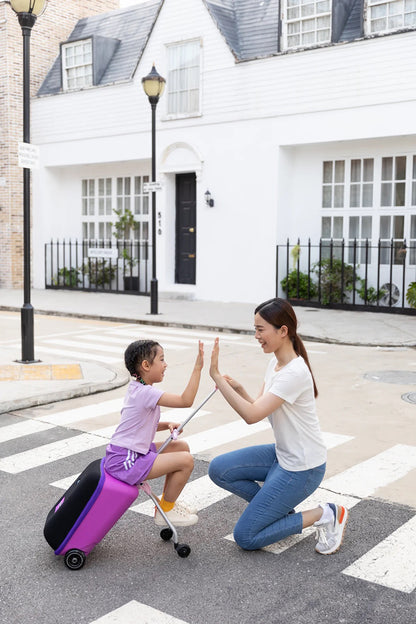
{"x": 265, "y": 128}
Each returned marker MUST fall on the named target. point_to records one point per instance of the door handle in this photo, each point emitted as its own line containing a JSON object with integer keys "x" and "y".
{"x": 192, "y": 230}
{"x": 191, "y": 255}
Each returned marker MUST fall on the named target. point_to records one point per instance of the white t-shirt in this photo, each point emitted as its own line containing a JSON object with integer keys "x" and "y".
{"x": 299, "y": 442}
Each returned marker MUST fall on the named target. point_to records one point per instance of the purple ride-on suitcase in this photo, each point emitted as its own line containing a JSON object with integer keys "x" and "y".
{"x": 86, "y": 512}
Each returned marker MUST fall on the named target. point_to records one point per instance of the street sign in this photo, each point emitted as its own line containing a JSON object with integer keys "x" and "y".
{"x": 149, "y": 187}
{"x": 28, "y": 155}
{"x": 103, "y": 252}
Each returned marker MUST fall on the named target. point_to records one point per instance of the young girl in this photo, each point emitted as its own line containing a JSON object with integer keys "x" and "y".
{"x": 132, "y": 455}
{"x": 292, "y": 468}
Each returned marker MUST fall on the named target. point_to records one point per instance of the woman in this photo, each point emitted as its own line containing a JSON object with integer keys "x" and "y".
{"x": 292, "y": 468}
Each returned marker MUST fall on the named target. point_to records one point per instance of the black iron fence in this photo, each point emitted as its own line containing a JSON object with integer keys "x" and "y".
{"x": 98, "y": 265}
{"x": 350, "y": 275}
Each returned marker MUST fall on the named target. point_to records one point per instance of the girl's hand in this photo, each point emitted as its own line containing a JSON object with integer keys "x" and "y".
{"x": 172, "y": 426}
{"x": 200, "y": 357}
{"x": 213, "y": 370}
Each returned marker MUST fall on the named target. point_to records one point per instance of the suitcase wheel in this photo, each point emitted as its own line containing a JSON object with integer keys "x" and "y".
{"x": 183, "y": 550}
{"x": 166, "y": 534}
{"x": 74, "y": 559}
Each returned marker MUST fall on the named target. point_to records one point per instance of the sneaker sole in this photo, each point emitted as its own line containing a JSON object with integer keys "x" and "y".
{"x": 332, "y": 552}
{"x": 176, "y": 524}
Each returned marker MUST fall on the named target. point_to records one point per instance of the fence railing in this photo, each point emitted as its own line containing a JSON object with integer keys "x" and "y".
{"x": 98, "y": 265}
{"x": 348, "y": 275}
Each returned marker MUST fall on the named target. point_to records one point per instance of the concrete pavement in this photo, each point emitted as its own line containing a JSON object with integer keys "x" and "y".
{"x": 23, "y": 385}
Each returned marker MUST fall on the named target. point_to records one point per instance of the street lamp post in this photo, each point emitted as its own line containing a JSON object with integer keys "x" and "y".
{"x": 27, "y": 12}
{"x": 153, "y": 85}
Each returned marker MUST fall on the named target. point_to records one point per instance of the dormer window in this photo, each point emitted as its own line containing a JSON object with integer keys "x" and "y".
{"x": 385, "y": 16}
{"x": 305, "y": 23}
{"x": 77, "y": 64}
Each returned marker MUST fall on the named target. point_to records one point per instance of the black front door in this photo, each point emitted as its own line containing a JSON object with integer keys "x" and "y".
{"x": 185, "y": 261}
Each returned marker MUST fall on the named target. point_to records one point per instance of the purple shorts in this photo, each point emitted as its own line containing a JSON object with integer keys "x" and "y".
{"x": 129, "y": 466}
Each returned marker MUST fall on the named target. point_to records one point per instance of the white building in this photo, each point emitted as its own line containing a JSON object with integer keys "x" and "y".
{"x": 300, "y": 127}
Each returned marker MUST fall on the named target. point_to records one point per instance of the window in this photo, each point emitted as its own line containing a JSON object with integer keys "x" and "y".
{"x": 393, "y": 181}
{"x": 332, "y": 228}
{"x": 100, "y": 197}
{"x": 412, "y": 240}
{"x": 306, "y": 23}
{"x": 391, "y": 239}
{"x": 77, "y": 64}
{"x": 333, "y": 184}
{"x": 359, "y": 230}
{"x": 361, "y": 183}
{"x": 183, "y": 78}
{"x": 390, "y": 15}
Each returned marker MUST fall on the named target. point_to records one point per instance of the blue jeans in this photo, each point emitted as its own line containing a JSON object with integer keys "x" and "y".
{"x": 267, "y": 518}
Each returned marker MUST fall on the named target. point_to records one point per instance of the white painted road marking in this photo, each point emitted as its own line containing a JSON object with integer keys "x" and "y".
{"x": 392, "y": 562}
{"x": 365, "y": 478}
{"x": 199, "y": 493}
{"x": 49, "y": 453}
{"x": 18, "y": 430}
{"x": 86, "y": 412}
{"x": 134, "y": 612}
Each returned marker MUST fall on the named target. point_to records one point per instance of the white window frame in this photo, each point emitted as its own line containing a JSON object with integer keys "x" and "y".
{"x": 398, "y": 14}
{"x": 99, "y": 197}
{"x": 309, "y": 15}
{"x": 77, "y": 72}
{"x": 183, "y": 100}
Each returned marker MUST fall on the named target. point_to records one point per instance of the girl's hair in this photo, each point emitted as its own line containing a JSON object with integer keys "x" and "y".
{"x": 138, "y": 351}
{"x": 279, "y": 312}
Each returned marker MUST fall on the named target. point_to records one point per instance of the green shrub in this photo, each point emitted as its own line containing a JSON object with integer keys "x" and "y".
{"x": 373, "y": 295}
{"x": 67, "y": 277}
{"x": 337, "y": 279}
{"x": 99, "y": 272}
{"x": 411, "y": 294}
{"x": 295, "y": 285}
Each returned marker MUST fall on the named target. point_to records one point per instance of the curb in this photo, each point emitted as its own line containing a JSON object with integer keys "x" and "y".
{"x": 120, "y": 379}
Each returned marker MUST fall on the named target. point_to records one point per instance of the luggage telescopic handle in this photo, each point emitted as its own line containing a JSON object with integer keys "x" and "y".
{"x": 177, "y": 431}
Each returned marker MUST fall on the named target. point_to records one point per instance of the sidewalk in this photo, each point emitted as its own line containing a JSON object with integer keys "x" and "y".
{"x": 48, "y": 382}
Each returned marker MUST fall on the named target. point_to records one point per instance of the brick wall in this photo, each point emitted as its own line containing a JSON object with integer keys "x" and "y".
{"x": 49, "y": 30}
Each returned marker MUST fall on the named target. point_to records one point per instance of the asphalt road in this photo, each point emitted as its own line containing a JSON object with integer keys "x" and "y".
{"x": 372, "y": 433}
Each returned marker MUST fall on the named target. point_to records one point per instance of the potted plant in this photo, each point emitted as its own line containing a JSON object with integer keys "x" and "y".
{"x": 124, "y": 226}
{"x": 336, "y": 279}
{"x": 298, "y": 285}
{"x": 67, "y": 277}
{"x": 100, "y": 272}
{"x": 369, "y": 295}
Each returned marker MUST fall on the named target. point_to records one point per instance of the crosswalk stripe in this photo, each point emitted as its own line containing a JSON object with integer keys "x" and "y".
{"x": 199, "y": 493}
{"x": 365, "y": 478}
{"x": 166, "y": 331}
{"x": 86, "y": 345}
{"x": 392, "y": 562}
{"x": 18, "y": 430}
{"x": 134, "y": 612}
{"x": 319, "y": 496}
{"x": 86, "y": 412}
{"x": 76, "y": 354}
{"x": 49, "y": 453}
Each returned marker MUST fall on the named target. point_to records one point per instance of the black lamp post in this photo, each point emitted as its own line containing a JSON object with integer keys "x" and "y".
{"x": 153, "y": 85}
{"x": 27, "y": 11}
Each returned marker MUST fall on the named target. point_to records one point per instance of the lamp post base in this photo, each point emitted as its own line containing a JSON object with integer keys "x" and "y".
{"x": 26, "y": 318}
{"x": 154, "y": 296}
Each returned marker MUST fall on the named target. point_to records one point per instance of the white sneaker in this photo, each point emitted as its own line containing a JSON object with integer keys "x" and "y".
{"x": 187, "y": 508}
{"x": 331, "y": 534}
{"x": 178, "y": 516}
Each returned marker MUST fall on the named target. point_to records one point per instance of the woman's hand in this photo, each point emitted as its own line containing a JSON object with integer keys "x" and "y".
{"x": 200, "y": 357}
{"x": 213, "y": 370}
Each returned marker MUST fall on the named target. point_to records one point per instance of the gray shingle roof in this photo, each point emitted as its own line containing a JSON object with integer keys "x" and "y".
{"x": 131, "y": 27}
{"x": 250, "y": 28}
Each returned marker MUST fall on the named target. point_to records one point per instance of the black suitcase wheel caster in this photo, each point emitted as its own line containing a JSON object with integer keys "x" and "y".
{"x": 166, "y": 534}
{"x": 183, "y": 550}
{"x": 74, "y": 559}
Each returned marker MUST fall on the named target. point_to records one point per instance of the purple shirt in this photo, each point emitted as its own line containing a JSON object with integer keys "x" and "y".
{"x": 140, "y": 416}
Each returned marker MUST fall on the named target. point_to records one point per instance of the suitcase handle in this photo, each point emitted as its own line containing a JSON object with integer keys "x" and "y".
{"x": 176, "y": 432}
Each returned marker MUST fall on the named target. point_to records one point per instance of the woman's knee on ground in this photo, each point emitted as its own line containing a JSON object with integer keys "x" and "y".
{"x": 243, "y": 539}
